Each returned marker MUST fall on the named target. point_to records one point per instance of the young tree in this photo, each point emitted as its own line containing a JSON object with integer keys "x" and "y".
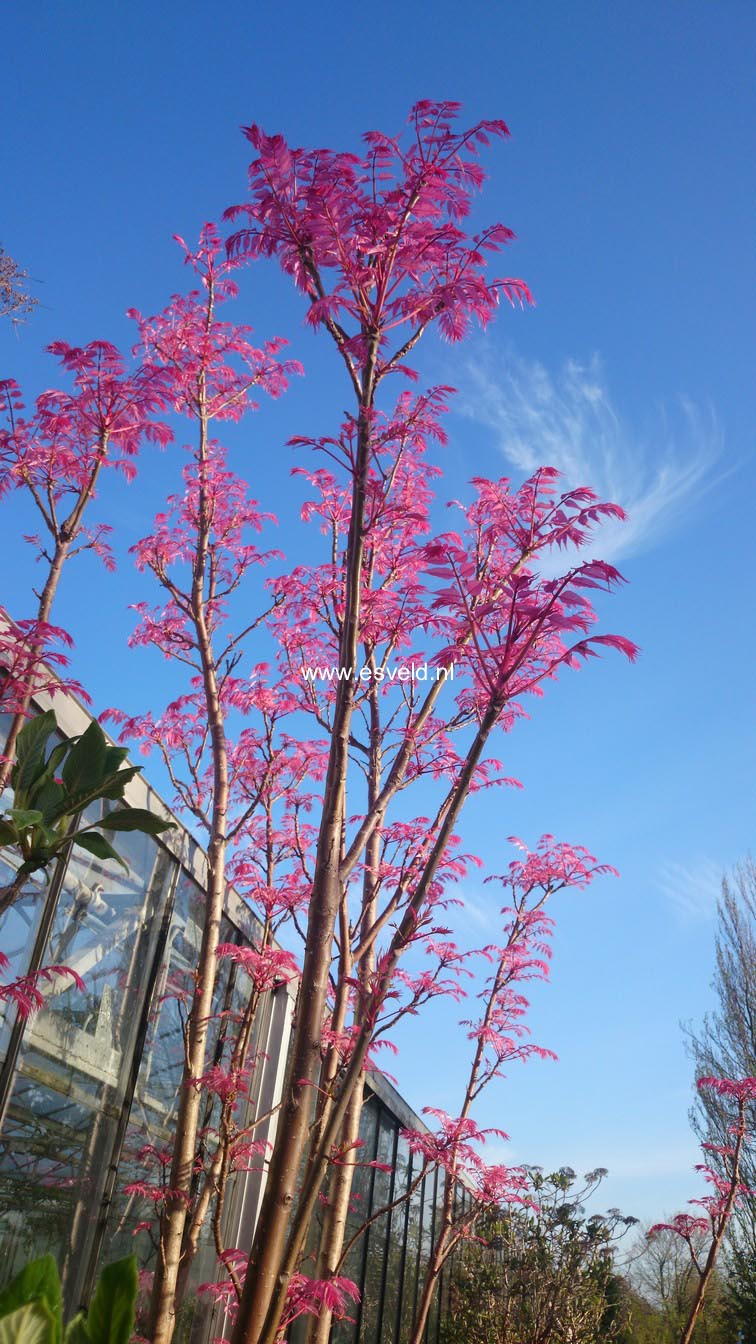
{"x": 56, "y": 457}
{"x": 725, "y": 1044}
{"x": 703, "y": 1235}
{"x": 378, "y": 247}
{"x": 497, "y": 1037}
{"x": 200, "y": 553}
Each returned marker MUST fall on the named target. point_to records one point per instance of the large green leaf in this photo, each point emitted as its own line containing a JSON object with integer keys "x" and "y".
{"x": 114, "y": 758}
{"x": 76, "y": 1330}
{"x": 134, "y": 819}
{"x": 114, "y": 785}
{"x": 96, "y": 844}
{"x": 37, "y": 1281}
{"x": 32, "y": 1324}
{"x": 111, "y": 787}
{"x": 51, "y": 799}
{"x": 110, "y": 1319}
{"x": 84, "y": 766}
{"x": 24, "y": 817}
{"x": 30, "y": 749}
{"x": 8, "y": 833}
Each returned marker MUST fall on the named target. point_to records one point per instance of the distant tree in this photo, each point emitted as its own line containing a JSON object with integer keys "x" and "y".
{"x": 725, "y": 1045}
{"x": 660, "y": 1289}
{"x": 15, "y": 300}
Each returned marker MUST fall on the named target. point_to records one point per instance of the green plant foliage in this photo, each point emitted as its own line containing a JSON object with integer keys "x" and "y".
{"x": 37, "y": 1282}
{"x": 110, "y": 1319}
{"x": 52, "y": 788}
{"x": 31, "y": 1324}
{"x": 31, "y": 1309}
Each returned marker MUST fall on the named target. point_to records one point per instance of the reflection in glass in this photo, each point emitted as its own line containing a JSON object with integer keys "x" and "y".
{"x": 345, "y": 1332}
{"x": 71, "y": 1074}
{"x": 378, "y": 1233}
{"x": 151, "y": 1122}
{"x": 409, "y": 1287}
{"x": 18, "y": 932}
{"x": 395, "y": 1253}
{"x": 20, "y": 923}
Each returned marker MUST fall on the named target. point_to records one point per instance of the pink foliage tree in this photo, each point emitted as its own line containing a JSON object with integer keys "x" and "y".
{"x": 300, "y": 775}
{"x": 727, "y": 1190}
{"x": 200, "y": 552}
{"x": 499, "y": 1037}
{"x": 57, "y": 457}
{"x": 378, "y": 244}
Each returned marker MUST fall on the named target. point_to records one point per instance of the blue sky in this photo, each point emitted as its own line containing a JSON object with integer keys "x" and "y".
{"x": 628, "y": 181}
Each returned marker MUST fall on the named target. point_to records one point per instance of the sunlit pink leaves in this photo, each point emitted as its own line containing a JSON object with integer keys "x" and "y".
{"x": 210, "y": 367}
{"x": 376, "y": 242}
{"x": 27, "y": 993}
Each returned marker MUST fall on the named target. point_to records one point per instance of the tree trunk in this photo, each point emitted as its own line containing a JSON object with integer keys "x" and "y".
{"x": 335, "y": 1221}
{"x": 264, "y": 1279}
{"x": 35, "y": 653}
{"x": 176, "y": 1212}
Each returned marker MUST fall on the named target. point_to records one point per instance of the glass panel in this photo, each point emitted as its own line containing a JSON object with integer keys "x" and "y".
{"x": 18, "y": 931}
{"x": 151, "y": 1122}
{"x": 20, "y": 923}
{"x": 440, "y": 1311}
{"x": 345, "y": 1332}
{"x": 65, "y": 1109}
{"x": 414, "y": 1215}
{"x": 395, "y": 1257}
{"x": 372, "y": 1299}
{"x": 432, "y": 1326}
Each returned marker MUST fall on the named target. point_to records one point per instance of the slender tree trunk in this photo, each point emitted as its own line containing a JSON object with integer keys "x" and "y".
{"x": 64, "y": 535}
{"x": 267, "y": 1331}
{"x": 264, "y": 1277}
{"x": 175, "y": 1215}
{"x": 711, "y": 1259}
{"x": 335, "y": 1223}
{"x": 35, "y": 654}
{"x": 342, "y": 1176}
{"x": 426, "y": 1297}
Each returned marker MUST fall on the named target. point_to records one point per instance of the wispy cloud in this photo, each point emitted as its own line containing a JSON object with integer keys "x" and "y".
{"x": 693, "y": 889}
{"x": 476, "y": 910}
{"x": 568, "y": 420}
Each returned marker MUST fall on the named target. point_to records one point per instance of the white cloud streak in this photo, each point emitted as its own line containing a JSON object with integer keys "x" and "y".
{"x": 569, "y": 421}
{"x": 692, "y": 889}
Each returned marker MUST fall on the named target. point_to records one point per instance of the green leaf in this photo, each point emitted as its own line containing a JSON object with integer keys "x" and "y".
{"x": 114, "y": 758}
{"x": 46, "y": 776}
{"x": 110, "y": 1319}
{"x": 76, "y": 1330}
{"x": 135, "y": 819}
{"x": 37, "y": 1281}
{"x": 24, "y": 817}
{"x": 30, "y": 749}
{"x": 111, "y": 788}
{"x": 46, "y": 841}
{"x": 96, "y": 844}
{"x": 84, "y": 767}
{"x": 56, "y": 756}
{"x": 8, "y": 833}
{"x": 32, "y": 1324}
{"x": 51, "y": 800}
{"x": 115, "y": 784}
